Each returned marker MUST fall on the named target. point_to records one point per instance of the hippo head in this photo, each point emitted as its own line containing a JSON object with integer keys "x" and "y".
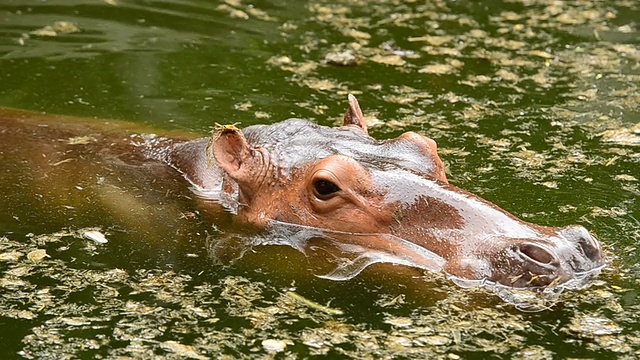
{"x": 392, "y": 193}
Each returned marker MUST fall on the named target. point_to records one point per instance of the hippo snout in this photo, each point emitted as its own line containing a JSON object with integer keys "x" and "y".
{"x": 588, "y": 248}
{"x": 574, "y": 254}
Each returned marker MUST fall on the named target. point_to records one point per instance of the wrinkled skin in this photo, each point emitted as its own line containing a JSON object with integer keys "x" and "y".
{"x": 387, "y": 192}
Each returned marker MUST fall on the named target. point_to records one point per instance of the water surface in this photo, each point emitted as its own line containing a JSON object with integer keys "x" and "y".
{"x": 534, "y": 105}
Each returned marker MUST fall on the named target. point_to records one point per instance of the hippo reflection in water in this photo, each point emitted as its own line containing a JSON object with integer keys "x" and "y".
{"x": 387, "y": 199}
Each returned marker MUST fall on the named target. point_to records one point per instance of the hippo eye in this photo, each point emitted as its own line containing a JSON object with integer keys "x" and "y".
{"x": 324, "y": 188}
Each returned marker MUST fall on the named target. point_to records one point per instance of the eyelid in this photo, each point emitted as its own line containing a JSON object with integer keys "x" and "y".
{"x": 326, "y": 175}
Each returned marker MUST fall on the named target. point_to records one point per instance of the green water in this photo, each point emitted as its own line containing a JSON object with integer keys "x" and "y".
{"x": 534, "y": 104}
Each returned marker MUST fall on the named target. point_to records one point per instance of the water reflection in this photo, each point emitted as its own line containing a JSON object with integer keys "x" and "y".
{"x": 158, "y": 62}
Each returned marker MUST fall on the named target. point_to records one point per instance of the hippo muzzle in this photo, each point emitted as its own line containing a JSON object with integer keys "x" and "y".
{"x": 480, "y": 242}
{"x": 570, "y": 256}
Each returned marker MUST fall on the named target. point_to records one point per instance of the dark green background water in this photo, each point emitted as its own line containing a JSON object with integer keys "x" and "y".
{"x": 534, "y": 105}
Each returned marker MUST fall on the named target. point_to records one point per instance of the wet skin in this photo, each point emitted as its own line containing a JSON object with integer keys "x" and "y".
{"x": 390, "y": 195}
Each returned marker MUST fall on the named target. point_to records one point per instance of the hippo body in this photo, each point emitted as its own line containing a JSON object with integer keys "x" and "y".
{"x": 391, "y": 196}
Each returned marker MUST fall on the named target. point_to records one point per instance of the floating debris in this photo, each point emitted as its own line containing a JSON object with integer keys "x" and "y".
{"x": 312, "y": 304}
{"x": 438, "y": 69}
{"x": 273, "y": 345}
{"x": 625, "y": 177}
{"x": 11, "y": 256}
{"x": 37, "y": 255}
{"x": 261, "y": 115}
{"x": 435, "y": 340}
{"x": 75, "y": 321}
{"x": 236, "y": 9}
{"x": 433, "y": 40}
{"x": 94, "y": 235}
{"x": 359, "y": 35}
{"x": 399, "y": 321}
{"x": 587, "y": 326}
{"x": 57, "y": 28}
{"x": 321, "y": 84}
{"x": 343, "y": 58}
{"x": 181, "y": 350}
{"x": 243, "y": 106}
{"x": 394, "y": 60}
{"x": 623, "y": 136}
{"x": 540, "y": 53}
{"x": 81, "y": 140}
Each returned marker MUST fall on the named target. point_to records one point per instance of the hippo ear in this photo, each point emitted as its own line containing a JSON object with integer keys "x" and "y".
{"x": 354, "y": 116}
{"x": 233, "y": 153}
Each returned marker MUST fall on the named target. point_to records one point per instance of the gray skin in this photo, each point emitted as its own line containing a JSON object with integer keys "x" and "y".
{"x": 389, "y": 195}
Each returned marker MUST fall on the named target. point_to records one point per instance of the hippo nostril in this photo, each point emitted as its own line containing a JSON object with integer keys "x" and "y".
{"x": 586, "y": 242}
{"x": 537, "y": 253}
{"x": 590, "y": 247}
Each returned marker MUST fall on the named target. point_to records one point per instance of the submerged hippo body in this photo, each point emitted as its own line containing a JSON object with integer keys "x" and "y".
{"x": 391, "y": 196}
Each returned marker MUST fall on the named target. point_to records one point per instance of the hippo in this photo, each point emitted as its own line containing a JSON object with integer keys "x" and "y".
{"x": 389, "y": 196}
